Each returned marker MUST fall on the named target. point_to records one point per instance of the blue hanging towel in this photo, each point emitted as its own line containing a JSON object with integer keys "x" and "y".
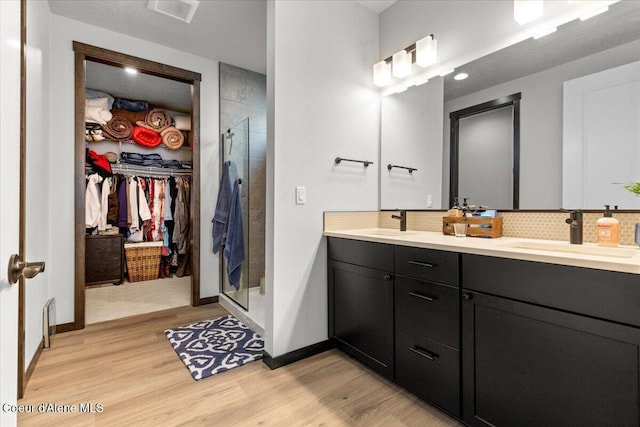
{"x": 221, "y": 215}
{"x": 234, "y": 246}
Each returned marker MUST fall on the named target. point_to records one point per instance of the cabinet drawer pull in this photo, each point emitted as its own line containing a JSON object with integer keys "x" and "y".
{"x": 388, "y": 277}
{"x": 424, "y": 297}
{"x": 422, "y": 264}
{"x": 424, "y": 353}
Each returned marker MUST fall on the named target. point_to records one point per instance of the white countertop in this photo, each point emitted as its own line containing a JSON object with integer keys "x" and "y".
{"x": 624, "y": 259}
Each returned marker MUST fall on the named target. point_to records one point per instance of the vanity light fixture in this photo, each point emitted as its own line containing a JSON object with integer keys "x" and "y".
{"x": 544, "y": 32}
{"x": 527, "y": 10}
{"x": 593, "y": 13}
{"x": 460, "y": 76}
{"x": 382, "y": 74}
{"x": 130, "y": 70}
{"x": 401, "y": 64}
{"x": 427, "y": 51}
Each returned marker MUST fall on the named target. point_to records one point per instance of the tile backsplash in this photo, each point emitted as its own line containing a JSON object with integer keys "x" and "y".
{"x": 532, "y": 225}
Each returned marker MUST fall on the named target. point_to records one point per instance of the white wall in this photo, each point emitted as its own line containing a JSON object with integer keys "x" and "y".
{"x": 540, "y": 122}
{"x": 321, "y": 104}
{"x": 9, "y": 200}
{"x": 38, "y": 149}
{"x": 64, "y": 32}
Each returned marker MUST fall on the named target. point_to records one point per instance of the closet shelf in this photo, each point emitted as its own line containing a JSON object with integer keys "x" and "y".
{"x": 151, "y": 171}
{"x": 161, "y": 146}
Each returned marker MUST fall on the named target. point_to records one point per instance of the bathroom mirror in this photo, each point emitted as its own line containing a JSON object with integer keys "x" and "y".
{"x": 536, "y": 68}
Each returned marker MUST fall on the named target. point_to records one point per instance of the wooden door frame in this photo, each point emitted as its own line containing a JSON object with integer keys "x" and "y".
{"x": 84, "y": 52}
{"x": 454, "y": 154}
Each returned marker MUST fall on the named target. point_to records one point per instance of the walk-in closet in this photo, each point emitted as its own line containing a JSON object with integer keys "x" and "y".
{"x": 137, "y": 170}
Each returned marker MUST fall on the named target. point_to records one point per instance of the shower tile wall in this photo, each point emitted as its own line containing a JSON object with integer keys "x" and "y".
{"x": 243, "y": 94}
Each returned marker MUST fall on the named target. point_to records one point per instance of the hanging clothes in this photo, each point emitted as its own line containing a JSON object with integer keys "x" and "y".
{"x": 104, "y": 204}
{"x": 181, "y": 217}
{"x": 123, "y": 204}
{"x": 92, "y": 201}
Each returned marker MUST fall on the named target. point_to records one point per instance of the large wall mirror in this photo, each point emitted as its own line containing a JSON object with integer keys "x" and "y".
{"x": 541, "y": 70}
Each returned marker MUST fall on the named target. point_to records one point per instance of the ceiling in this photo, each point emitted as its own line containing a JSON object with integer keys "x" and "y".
{"x": 234, "y": 32}
{"x": 376, "y": 5}
{"x": 573, "y": 40}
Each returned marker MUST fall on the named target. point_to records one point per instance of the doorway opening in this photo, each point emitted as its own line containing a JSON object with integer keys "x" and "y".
{"x": 147, "y": 169}
{"x": 485, "y": 153}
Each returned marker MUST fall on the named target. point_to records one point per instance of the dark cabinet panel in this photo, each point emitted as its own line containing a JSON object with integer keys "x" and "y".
{"x": 428, "y": 309}
{"x": 104, "y": 259}
{"x": 361, "y": 319}
{"x": 427, "y": 264}
{"x": 607, "y": 295}
{"x": 526, "y": 365}
{"x": 366, "y": 254}
{"x": 428, "y": 369}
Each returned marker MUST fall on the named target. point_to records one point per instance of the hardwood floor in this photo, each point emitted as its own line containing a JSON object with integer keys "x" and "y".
{"x": 129, "y": 368}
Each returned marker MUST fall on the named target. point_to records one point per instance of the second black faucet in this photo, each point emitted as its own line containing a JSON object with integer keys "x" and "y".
{"x": 403, "y": 220}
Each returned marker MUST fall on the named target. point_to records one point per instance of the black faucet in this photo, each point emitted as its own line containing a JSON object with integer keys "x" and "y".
{"x": 403, "y": 220}
{"x": 575, "y": 227}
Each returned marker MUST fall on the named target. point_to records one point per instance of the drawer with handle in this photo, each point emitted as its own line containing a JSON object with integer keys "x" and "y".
{"x": 428, "y": 369}
{"x": 427, "y": 264}
{"x": 429, "y": 309}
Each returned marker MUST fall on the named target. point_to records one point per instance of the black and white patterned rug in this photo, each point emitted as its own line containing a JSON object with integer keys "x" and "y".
{"x": 212, "y": 346}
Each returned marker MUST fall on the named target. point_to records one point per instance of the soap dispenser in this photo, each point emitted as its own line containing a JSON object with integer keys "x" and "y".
{"x": 608, "y": 229}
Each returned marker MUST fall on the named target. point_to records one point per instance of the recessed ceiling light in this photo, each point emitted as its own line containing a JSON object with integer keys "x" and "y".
{"x": 130, "y": 70}
{"x": 461, "y": 76}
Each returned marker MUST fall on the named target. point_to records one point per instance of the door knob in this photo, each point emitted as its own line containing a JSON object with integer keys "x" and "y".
{"x": 19, "y": 268}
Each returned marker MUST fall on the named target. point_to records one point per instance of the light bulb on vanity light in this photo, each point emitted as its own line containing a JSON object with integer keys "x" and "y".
{"x": 401, "y": 64}
{"x": 527, "y": 10}
{"x": 427, "y": 51}
{"x": 381, "y": 74}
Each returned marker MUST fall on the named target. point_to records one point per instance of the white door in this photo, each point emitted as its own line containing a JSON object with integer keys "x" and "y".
{"x": 9, "y": 202}
{"x": 601, "y": 139}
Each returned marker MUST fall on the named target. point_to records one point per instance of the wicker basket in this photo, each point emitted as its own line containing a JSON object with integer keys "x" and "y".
{"x": 143, "y": 260}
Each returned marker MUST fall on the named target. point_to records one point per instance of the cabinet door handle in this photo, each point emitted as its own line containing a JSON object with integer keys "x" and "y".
{"x": 387, "y": 277}
{"x": 421, "y": 296}
{"x": 422, "y": 264}
{"x": 424, "y": 353}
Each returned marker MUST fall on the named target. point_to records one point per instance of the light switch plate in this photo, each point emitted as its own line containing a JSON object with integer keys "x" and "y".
{"x": 301, "y": 195}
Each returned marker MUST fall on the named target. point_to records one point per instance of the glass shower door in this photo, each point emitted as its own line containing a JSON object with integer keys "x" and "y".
{"x": 235, "y": 149}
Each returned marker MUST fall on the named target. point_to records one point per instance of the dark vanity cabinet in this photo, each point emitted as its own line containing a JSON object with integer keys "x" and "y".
{"x": 528, "y": 361}
{"x": 427, "y": 325}
{"x": 361, "y": 301}
{"x": 492, "y": 341}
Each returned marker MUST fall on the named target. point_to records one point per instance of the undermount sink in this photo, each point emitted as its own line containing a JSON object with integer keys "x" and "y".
{"x": 391, "y": 232}
{"x": 576, "y": 249}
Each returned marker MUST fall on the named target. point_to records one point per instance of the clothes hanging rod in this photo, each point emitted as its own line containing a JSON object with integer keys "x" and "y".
{"x": 149, "y": 171}
{"x": 411, "y": 170}
{"x": 364, "y": 162}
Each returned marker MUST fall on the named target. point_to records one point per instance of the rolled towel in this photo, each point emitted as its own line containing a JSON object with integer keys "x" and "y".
{"x": 132, "y": 116}
{"x": 118, "y": 128}
{"x": 146, "y": 137}
{"x": 96, "y": 115}
{"x": 172, "y": 138}
{"x": 157, "y": 120}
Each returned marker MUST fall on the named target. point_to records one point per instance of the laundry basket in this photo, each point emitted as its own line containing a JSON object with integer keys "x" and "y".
{"x": 143, "y": 260}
